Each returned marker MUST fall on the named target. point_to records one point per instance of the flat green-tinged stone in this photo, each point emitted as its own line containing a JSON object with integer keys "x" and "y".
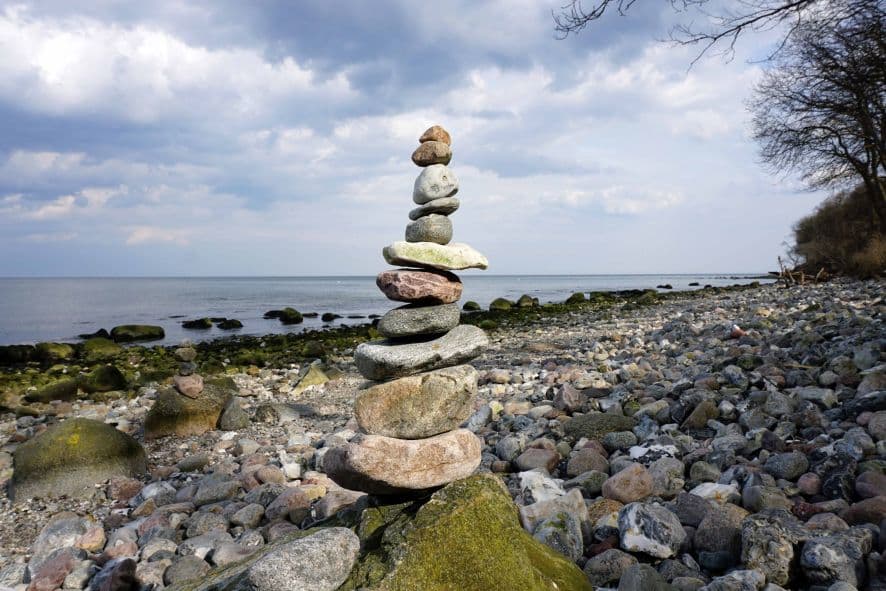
{"x": 447, "y": 257}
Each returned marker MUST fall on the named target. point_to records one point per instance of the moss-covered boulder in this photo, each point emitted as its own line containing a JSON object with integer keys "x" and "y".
{"x": 70, "y": 458}
{"x": 130, "y": 333}
{"x": 471, "y": 306}
{"x": 197, "y": 324}
{"x": 174, "y": 414}
{"x": 576, "y": 298}
{"x": 315, "y": 376}
{"x": 104, "y": 378}
{"x": 229, "y": 324}
{"x": 100, "y": 349}
{"x": 466, "y": 537}
{"x": 65, "y": 389}
{"x": 527, "y": 301}
{"x": 595, "y": 425}
{"x": 54, "y": 351}
{"x": 11, "y": 354}
{"x": 500, "y": 305}
{"x": 290, "y": 316}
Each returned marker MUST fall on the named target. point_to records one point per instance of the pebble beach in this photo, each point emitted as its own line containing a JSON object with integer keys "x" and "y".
{"x": 724, "y": 439}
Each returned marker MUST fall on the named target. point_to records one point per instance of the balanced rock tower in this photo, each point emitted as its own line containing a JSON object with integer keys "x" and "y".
{"x": 410, "y": 418}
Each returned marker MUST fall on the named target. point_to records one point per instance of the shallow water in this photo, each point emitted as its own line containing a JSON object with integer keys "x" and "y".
{"x": 58, "y": 309}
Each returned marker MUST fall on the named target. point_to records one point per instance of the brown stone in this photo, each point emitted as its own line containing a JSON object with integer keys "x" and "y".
{"x": 698, "y": 418}
{"x": 432, "y": 152}
{"x": 871, "y": 510}
{"x": 418, "y": 406}
{"x": 384, "y": 465}
{"x": 190, "y": 386}
{"x": 425, "y": 287}
{"x": 870, "y": 484}
{"x": 435, "y": 134}
{"x": 534, "y": 458}
{"x": 633, "y": 483}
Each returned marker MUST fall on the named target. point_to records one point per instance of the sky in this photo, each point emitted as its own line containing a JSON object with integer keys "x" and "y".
{"x": 214, "y": 137}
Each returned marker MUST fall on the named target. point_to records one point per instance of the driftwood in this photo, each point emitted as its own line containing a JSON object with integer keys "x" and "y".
{"x": 798, "y": 275}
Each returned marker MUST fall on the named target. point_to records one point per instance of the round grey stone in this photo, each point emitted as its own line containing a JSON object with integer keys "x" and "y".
{"x": 430, "y": 228}
{"x": 787, "y": 465}
{"x": 442, "y": 206}
{"x": 434, "y": 182}
{"x": 186, "y": 568}
{"x": 413, "y": 320}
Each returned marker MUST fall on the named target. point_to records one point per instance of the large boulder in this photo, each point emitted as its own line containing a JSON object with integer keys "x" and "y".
{"x": 51, "y": 352}
{"x": 100, "y": 349}
{"x": 129, "y": 333}
{"x": 174, "y": 414}
{"x": 468, "y": 536}
{"x": 103, "y": 378}
{"x": 70, "y": 458}
{"x": 64, "y": 389}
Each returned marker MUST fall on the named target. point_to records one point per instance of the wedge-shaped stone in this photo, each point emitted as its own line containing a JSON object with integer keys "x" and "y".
{"x": 424, "y": 287}
{"x": 417, "y": 320}
{"x": 436, "y": 256}
{"x": 381, "y": 360}
{"x": 384, "y": 465}
{"x": 432, "y": 152}
{"x": 418, "y": 406}
{"x": 442, "y": 206}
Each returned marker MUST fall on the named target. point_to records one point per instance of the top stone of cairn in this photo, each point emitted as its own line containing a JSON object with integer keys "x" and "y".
{"x": 435, "y": 134}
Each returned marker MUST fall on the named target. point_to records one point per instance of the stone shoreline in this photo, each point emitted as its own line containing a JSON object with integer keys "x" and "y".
{"x": 754, "y": 414}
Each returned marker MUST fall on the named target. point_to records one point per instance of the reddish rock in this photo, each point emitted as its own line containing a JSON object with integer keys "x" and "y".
{"x": 634, "y": 483}
{"x": 871, "y": 510}
{"x": 190, "y": 386}
{"x": 585, "y": 460}
{"x": 809, "y": 484}
{"x": 291, "y": 499}
{"x": 53, "y": 571}
{"x": 425, "y": 287}
{"x": 121, "y": 488}
{"x": 435, "y": 134}
{"x": 432, "y": 152}
{"x": 870, "y": 484}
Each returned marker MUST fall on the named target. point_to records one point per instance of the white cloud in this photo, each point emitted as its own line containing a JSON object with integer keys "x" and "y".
{"x": 58, "y": 208}
{"x": 148, "y": 234}
{"x": 81, "y": 65}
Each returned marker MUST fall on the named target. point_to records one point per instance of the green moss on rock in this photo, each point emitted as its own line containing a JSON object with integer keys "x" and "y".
{"x": 100, "y": 349}
{"x": 500, "y": 305}
{"x": 467, "y": 537}
{"x": 104, "y": 378}
{"x": 65, "y": 389}
{"x": 471, "y": 306}
{"x": 130, "y": 333}
{"x": 70, "y": 458}
{"x": 291, "y": 316}
{"x": 596, "y": 425}
{"x": 576, "y": 298}
{"x": 50, "y": 352}
{"x": 174, "y": 414}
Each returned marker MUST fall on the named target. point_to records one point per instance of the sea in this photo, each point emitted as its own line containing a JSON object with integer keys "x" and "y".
{"x": 58, "y": 309}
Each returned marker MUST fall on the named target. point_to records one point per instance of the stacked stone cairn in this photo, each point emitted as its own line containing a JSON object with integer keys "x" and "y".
{"x": 423, "y": 390}
{"x": 187, "y": 382}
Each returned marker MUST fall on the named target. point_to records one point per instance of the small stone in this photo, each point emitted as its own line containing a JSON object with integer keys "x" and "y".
{"x": 420, "y": 287}
{"x": 561, "y": 532}
{"x": 533, "y": 458}
{"x": 419, "y": 320}
{"x": 585, "y": 460}
{"x": 249, "y": 516}
{"x": 193, "y": 462}
{"x": 442, "y": 206}
{"x": 430, "y": 228}
{"x": 293, "y": 500}
{"x": 230, "y": 553}
{"x": 608, "y": 567}
{"x": 651, "y": 529}
{"x": 701, "y": 414}
{"x": 877, "y": 425}
{"x": 634, "y": 483}
{"x": 720, "y": 530}
{"x": 379, "y": 360}
{"x": 233, "y": 417}
{"x": 189, "y": 386}
{"x": 871, "y": 510}
{"x": 450, "y": 257}
{"x": 418, "y": 406}
{"x": 435, "y": 133}
{"x": 870, "y": 484}
{"x": 432, "y": 152}
{"x": 787, "y": 465}
{"x": 434, "y": 182}
{"x": 837, "y": 557}
{"x": 642, "y": 577}
{"x": 185, "y": 568}
{"x": 384, "y": 465}
{"x": 319, "y": 562}
{"x": 215, "y": 491}
{"x": 186, "y": 354}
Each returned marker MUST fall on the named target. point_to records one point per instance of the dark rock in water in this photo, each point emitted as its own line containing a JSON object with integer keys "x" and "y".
{"x": 104, "y": 378}
{"x": 229, "y": 324}
{"x": 271, "y": 314}
{"x": 17, "y": 353}
{"x": 576, "y": 298}
{"x": 290, "y": 316}
{"x": 70, "y": 458}
{"x": 310, "y": 314}
{"x": 500, "y": 305}
{"x": 198, "y": 324}
{"x": 100, "y": 333}
{"x": 355, "y": 316}
{"x": 527, "y": 301}
{"x": 65, "y": 389}
{"x": 329, "y": 317}
{"x": 471, "y": 306}
{"x": 694, "y": 284}
{"x": 664, "y": 286}
{"x": 129, "y": 333}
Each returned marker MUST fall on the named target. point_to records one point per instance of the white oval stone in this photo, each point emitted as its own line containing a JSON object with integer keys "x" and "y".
{"x": 434, "y": 182}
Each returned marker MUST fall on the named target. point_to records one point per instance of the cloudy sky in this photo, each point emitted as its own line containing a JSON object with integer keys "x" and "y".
{"x": 211, "y": 137}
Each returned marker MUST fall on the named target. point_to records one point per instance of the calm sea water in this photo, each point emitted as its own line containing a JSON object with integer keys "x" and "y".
{"x": 58, "y": 309}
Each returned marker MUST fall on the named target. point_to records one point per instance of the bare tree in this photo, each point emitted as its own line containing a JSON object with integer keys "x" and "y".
{"x": 821, "y": 110}
{"x": 722, "y": 27}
